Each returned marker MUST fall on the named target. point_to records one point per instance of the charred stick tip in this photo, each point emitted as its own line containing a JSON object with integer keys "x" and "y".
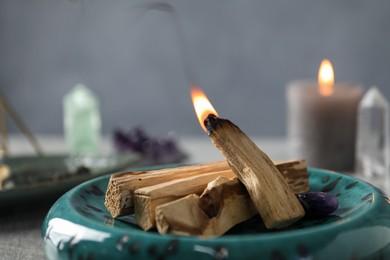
{"x": 211, "y": 122}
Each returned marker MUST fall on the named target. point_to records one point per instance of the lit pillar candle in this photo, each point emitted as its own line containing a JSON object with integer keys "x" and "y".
{"x": 322, "y": 120}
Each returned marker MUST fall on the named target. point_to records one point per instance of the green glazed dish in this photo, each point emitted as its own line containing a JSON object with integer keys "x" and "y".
{"x": 40, "y": 177}
{"x": 78, "y": 226}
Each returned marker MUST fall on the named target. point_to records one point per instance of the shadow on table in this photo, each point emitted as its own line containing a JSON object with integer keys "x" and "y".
{"x": 27, "y": 214}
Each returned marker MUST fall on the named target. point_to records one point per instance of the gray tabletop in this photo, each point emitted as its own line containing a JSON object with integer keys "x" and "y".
{"x": 20, "y": 230}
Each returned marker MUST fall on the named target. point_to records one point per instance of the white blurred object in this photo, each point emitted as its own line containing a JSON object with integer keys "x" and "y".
{"x": 372, "y": 147}
{"x": 82, "y": 122}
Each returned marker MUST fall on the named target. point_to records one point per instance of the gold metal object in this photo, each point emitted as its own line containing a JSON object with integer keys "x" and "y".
{"x": 7, "y": 109}
{"x": 5, "y": 172}
{"x": 3, "y": 130}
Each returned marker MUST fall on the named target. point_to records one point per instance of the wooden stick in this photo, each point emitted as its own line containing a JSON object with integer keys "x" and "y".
{"x": 147, "y": 199}
{"x": 223, "y": 204}
{"x": 273, "y": 198}
{"x": 295, "y": 173}
{"x": 121, "y": 187}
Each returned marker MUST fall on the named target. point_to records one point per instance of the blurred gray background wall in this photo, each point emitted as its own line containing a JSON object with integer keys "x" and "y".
{"x": 242, "y": 53}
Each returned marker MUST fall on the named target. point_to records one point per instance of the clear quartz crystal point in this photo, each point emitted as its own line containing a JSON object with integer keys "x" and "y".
{"x": 372, "y": 149}
{"x": 82, "y": 123}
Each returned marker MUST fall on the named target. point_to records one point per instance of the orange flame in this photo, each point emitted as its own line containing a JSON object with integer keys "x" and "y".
{"x": 325, "y": 78}
{"x": 202, "y": 105}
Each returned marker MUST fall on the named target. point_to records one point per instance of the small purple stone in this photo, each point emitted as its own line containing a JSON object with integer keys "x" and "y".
{"x": 318, "y": 204}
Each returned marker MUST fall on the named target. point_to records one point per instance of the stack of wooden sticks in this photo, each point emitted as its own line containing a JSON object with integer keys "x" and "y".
{"x": 201, "y": 200}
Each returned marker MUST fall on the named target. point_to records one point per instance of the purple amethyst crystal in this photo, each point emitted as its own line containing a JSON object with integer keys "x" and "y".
{"x": 318, "y": 204}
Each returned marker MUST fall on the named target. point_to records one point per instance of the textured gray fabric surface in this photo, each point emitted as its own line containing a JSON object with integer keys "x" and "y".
{"x": 20, "y": 231}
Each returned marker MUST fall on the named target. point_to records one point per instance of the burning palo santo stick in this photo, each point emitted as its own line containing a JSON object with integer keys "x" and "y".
{"x": 270, "y": 193}
{"x": 121, "y": 186}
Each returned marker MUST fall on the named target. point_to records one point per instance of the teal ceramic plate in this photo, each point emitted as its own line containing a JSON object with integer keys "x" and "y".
{"x": 79, "y": 227}
{"x": 34, "y": 177}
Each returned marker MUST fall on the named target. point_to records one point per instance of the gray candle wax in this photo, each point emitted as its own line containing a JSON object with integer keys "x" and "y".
{"x": 322, "y": 129}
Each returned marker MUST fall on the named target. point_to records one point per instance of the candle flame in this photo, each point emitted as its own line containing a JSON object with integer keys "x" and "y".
{"x": 202, "y": 105}
{"x": 325, "y": 78}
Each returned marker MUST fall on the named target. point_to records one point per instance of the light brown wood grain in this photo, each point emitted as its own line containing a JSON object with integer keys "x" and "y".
{"x": 147, "y": 199}
{"x": 224, "y": 203}
{"x": 120, "y": 190}
{"x": 269, "y": 191}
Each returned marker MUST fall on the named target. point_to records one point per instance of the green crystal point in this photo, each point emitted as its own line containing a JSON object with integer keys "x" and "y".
{"x": 82, "y": 122}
